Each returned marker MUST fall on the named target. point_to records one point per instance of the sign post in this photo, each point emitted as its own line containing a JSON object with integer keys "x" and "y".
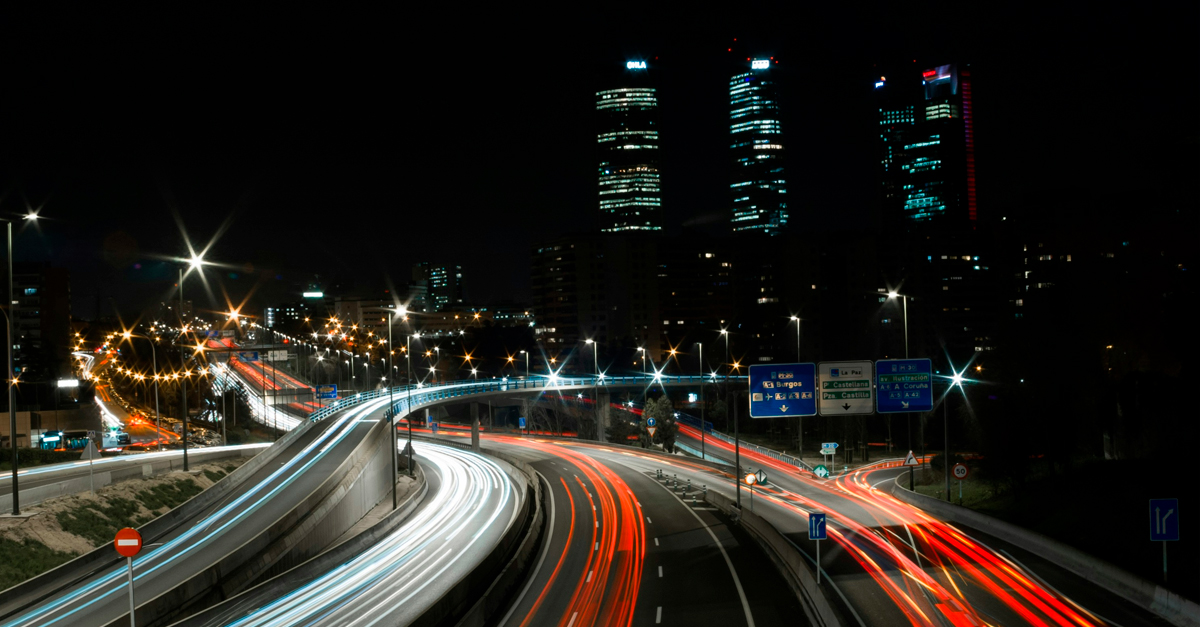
{"x": 751, "y": 479}
{"x": 90, "y": 453}
{"x": 651, "y": 428}
{"x": 816, "y": 531}
{"x": 846, "y": 388}
{"x": 911, "y": 462}
{"x": 960, "y": 472}
{"x": 1164, "y": 525}
{"x": 128, "y": 542}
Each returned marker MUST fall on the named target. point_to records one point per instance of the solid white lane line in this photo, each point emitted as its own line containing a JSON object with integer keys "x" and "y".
{"x": 656, "y": 542}
{"x": 573, "y": 615}
{"x": 589, "y": 579}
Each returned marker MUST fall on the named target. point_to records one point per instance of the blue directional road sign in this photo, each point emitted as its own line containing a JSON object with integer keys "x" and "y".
{"x": 247, "y": 355}
{"x": 1164, "y": 519}
{"x": 433, "y": 426}
{"x": 521, "y": 421}
{"x": 651, "y": 422}
{"x": 781, "y": 390}
{"x": 903, "y": 385}
{"x": 327, "y": 391}
{"x": 816, "y": 527}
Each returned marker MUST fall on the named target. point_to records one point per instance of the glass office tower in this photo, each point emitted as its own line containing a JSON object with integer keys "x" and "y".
{"x": 630, "y": 190}
{"x": 927, "y": 146}
{"x": 758, "y": 187}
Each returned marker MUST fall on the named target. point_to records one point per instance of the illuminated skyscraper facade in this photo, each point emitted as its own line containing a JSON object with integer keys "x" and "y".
{"x": 630, "y": 190}
{"x": 758, "y": 188}
{"x": 927, "y": 146}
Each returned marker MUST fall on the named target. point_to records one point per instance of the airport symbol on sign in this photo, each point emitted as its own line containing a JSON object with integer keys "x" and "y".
{"x": 781, "y": 390}
{"x": 816, "y": 527}
{"x": 1164, "y": 520}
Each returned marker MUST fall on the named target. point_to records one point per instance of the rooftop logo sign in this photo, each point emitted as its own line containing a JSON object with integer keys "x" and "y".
{"x": 635, "y": 65}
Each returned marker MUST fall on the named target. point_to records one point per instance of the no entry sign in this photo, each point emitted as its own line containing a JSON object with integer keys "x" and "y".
{"x": 128, "y": 542}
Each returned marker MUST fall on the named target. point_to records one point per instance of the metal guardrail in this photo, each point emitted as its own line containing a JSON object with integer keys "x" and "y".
{"x": 762, "y": 450}
{"x": 423, "y": 394}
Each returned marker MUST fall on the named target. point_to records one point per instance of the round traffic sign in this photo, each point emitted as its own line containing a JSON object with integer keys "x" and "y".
{"x": 128, "y": 542}
{"x": 960, "y": 471}
{"x": 751, "y": 479}
{"x": 651, "y": 422}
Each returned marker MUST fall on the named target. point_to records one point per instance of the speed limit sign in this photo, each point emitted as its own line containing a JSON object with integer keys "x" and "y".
{"x": 960, "y": 471}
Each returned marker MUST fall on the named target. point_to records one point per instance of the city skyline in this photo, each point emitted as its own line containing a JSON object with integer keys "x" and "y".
{"x": 120, "y": 195}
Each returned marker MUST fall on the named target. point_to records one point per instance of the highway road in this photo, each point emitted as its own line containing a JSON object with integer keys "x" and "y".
{"x": 623, "y": 549}
{"x": 896, "y": 564}
{"x": 274, "y": 490}
{"x": 470, "y": 505}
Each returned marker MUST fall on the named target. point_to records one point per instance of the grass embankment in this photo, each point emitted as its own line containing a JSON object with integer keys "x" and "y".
{"x": 1100, "y": 507}
{"x": 83, "y": 521}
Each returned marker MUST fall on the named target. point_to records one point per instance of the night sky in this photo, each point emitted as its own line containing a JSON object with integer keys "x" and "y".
{"x": 352, "y": 145}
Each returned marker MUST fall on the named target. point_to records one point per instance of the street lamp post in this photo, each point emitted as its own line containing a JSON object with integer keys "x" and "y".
{"x": 701, "y": 345}
{"x": 392, "y": 407}
{"x": 526, "y": 364}
{"x": 956, "y": 379}
{"x": 907, "y": 415}
{"x": 194, "y": 262}
{"x": 643, "y": 352}
{"x": 12, "y": 378}
{"x": 732, "y": 410}
{"x": 799, "y": 419}
{"x": 408, "y": 403}
{"x": 154, "y": 362}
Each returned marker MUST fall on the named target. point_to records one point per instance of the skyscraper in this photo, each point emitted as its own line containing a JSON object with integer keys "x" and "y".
{"x": 630, "y": 190}
{"x": 927, "y": 147}
{"x": 758, "y": 187}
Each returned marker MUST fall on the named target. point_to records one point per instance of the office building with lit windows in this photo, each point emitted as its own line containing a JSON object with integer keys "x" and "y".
{"x": 630, "y": 186}
{"x": 758, "y": 187}
{"x": 927, "y": 147}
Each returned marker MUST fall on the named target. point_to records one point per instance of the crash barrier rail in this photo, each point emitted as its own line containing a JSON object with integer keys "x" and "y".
{"x": 422, "y": 394}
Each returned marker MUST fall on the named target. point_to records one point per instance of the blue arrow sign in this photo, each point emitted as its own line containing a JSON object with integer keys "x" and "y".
{"x": 521, "y": 421}
{"x": 903, "y": 385}
{"x": 829, "y": 445}
{"x": 816, "y": 527}
{"x": 781, "y": 390}
{"x": 650, "y": 422}
{"x": 1164, "y": 520}
{"x": 247, "y": 355}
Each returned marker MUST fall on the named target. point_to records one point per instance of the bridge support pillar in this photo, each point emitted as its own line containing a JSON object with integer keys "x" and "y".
{"x": 475, "y": 427}
{"x": 603, "y": 400}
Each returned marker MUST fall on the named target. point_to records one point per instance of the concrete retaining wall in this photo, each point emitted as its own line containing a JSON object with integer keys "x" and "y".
{"x": 110, "y": 475}
{"x": 787, "y": 559}
{"x": 48, "y": 583}
{"x": 317, "y": 566}
{"x": 1150, "y": 596}
{"x": 323, "y": 516}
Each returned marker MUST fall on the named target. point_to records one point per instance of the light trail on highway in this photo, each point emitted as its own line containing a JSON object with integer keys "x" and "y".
{"x": 604, "y": 587}
{"x": 401, "y": 575}
{"x": 933, "y": 572}
{"x": 106, "y": 589}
